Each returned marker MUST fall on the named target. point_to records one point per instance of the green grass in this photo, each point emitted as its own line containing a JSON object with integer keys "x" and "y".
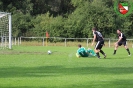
{"x": 32, "y": 67}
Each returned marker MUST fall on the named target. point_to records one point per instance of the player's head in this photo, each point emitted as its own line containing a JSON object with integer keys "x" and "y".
{"x": 94, "y": 29}
{"x": 79, "y": 45}
{"x": 118, "y": 31}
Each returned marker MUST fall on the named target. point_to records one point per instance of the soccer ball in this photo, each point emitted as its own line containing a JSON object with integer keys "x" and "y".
{"x": 77, "y": 55}
{"x": 49, "y": 52}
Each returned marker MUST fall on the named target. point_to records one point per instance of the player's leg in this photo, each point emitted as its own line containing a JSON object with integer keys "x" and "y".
{"x": 97, "y": 50}
{"x": 116, "y": 47}
{"x": 101, "y": 51}
{"x": 97, "y": 53}
{"x": 126, "y": 47}
{"x": 91, "y": 52}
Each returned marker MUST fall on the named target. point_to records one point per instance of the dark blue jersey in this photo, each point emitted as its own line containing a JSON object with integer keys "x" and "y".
{"x": 121, "y": 35}
{"x": 99, "y": 36}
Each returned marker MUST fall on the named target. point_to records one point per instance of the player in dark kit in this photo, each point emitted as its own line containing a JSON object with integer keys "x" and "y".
{"x": 122, "y": 41}
{"x": 100, "y": 42}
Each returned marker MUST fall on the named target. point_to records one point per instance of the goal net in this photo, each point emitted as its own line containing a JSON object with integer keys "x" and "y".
{"x": 5, "y": 30}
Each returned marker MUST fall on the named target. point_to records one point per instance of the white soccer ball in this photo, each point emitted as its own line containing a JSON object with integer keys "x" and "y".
{"x": 49, "y": 52}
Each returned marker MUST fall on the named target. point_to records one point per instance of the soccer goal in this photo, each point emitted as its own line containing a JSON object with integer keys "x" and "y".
{"x": 5, "y": 30}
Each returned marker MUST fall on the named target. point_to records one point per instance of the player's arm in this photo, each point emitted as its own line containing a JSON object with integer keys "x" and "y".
{"x": 120, "y": 38}
{"x": 77, "y": 54}
{"x": 77, "y": 51}
{"x": 102, "y": 38}
{"x": 93, "y": 40}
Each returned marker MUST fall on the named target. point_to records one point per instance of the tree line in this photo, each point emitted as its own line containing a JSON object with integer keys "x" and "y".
{"x": 66, "y": 18}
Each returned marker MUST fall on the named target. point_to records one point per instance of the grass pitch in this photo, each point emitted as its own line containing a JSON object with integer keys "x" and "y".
{"x": 32, "y": 67}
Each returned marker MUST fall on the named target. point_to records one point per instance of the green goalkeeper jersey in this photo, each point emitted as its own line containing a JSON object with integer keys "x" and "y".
{"x": 82, "y": 52}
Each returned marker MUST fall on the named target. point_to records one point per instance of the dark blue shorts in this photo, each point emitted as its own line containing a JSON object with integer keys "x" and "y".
{"x": 122, "y": 43}
{"x": 99, "y": 45}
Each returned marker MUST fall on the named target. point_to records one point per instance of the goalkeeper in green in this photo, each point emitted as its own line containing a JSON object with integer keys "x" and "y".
{"x": 82, "y": 52}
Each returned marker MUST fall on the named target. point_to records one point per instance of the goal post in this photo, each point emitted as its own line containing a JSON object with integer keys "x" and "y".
{"x": 5, "y": 30}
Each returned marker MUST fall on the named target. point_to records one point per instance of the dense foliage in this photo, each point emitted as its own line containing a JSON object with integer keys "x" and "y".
{"x": 65, "y": 18}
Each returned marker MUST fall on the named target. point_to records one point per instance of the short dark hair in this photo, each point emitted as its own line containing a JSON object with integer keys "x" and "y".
{"x": 94, "y": 28}
{"x": 119, "y": 30}
{"x": 79, "y": 45}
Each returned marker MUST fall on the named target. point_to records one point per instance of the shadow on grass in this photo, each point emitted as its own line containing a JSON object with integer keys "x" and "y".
{"x": 60, "y": 70}
{"x": 106, "y": 84}
{"x": 21, "y": 87}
